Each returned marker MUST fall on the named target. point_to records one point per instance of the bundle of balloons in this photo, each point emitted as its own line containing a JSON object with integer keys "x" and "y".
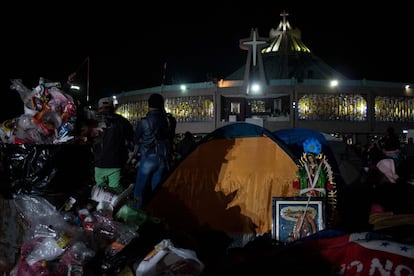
{"x": 49, "y": 115}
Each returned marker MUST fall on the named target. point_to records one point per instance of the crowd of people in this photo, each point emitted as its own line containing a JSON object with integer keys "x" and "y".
{"x": 117, "y": 145}
{"x": 154, "y": 149}
{"x": 150, "y": 148}
{"x": 119, "y": 148}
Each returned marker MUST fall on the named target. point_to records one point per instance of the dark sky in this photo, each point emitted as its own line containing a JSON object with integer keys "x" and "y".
{"x": 128, "y": 44}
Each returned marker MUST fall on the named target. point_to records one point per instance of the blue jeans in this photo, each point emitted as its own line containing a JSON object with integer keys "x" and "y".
{"x": 150, "y": 170}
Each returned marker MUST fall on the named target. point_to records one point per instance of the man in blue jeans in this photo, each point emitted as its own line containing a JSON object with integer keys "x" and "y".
{"x": 154, "y": 136}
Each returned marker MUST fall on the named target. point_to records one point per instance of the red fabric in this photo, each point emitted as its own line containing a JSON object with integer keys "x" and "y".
{"x": 353, "y": 254}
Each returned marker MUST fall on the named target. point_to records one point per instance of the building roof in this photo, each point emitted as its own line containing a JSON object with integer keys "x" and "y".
{"x": 285, "y": 56}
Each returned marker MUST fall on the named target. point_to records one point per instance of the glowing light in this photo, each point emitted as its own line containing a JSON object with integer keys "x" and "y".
{"x": 115, "y": 100}
{"x": 334, "y": 83}
{"x": 255, "y": 88}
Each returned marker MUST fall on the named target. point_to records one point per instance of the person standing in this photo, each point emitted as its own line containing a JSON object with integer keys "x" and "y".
{"x": 154, "y": 136}
{"x": 111, "y": 144}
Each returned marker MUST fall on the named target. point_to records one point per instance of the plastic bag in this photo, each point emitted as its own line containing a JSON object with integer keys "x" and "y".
{"x": 166, "y": 259}
{"x": 45, "y": 169}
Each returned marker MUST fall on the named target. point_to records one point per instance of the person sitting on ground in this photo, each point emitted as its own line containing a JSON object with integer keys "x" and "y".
{"x": 185, "y": 146}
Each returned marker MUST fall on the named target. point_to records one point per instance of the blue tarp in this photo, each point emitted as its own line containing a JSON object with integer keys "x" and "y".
{"x": 294, "y": 138}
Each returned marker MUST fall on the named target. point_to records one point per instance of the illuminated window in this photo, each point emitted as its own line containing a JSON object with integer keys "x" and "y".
{"x": 349, "y": 107}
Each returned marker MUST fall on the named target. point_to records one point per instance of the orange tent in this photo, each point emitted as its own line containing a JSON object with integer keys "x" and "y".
{"x": 227, "y": 182}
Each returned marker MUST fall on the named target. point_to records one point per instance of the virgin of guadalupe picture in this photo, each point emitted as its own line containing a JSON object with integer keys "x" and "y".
{"x": 314, "y": 172}
{"x": 304, "y": 219}
{"x": 316, "y": 178}
{"x": 297, "y": 217}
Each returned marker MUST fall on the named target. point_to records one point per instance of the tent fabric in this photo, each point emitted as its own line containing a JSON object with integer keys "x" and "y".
{"x": 227, "y": 182}
{"x": 298, "y": 135}
{"x": 345, "y": 164}
{"x": 294, "y": 138}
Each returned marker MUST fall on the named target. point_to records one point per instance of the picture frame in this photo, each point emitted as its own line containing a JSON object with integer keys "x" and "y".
{"x": 289, "y": 222}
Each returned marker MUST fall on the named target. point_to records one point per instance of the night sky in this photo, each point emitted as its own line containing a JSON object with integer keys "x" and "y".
{"x": 127, "y": 45}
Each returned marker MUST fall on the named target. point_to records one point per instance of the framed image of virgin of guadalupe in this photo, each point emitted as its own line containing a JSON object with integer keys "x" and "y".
{"x": 316, "y": 179}
{"x": 297, "y": 217}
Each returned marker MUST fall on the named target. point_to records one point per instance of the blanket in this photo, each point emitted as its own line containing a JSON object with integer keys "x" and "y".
{"x": 362, "y": 254}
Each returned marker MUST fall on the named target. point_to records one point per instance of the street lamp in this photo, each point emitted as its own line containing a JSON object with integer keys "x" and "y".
{"x": 334, "y": 83}
{"x": 75, "y": 87}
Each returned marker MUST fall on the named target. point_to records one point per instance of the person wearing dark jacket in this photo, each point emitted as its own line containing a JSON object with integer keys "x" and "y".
{"x": 114, "y": 138}
{"x": 154, "y": 134}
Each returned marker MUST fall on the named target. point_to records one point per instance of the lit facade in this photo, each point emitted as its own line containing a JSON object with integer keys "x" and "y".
{"x": 294, "y": 89}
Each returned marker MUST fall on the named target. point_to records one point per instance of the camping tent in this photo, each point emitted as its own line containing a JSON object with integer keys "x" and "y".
{"x": 352, "y": 205}
{"x": 227, "y": 182}
{"x": 345, "y": 164}
{"x": 295, "y": 137}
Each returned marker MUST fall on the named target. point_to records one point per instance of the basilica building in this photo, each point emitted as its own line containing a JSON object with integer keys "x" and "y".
{"x": 283, "y": 85}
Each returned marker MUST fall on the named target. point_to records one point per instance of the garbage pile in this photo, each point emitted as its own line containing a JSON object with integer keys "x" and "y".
{"x": 49, "y": 115}
{"x": 78, "y": 239}
{"x": 61, "y": 241}
{"x": 71, "y": 226}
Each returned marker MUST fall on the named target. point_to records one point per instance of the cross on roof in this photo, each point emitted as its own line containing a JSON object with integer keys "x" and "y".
{"x": 254, "y": 43}
{"x": 284, "y": 15}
